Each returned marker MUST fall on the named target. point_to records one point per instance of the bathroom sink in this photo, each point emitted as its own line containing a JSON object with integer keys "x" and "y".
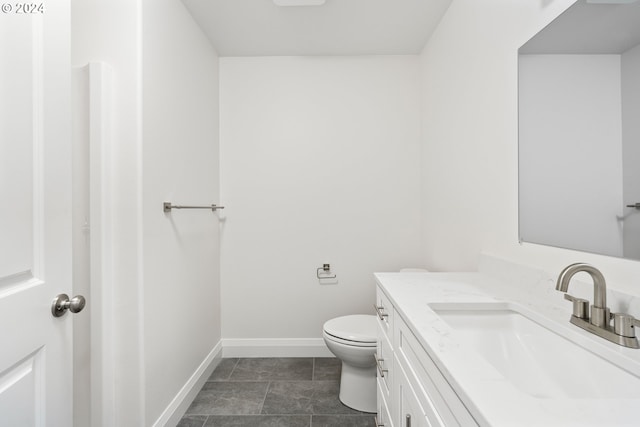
{"x": 533, "y": 358}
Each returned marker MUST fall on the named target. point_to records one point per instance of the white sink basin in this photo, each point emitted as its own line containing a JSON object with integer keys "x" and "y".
{"x": 535, "y": 359}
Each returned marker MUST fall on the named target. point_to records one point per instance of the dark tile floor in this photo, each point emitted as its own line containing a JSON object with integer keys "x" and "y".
{"x": 273, "y": 392}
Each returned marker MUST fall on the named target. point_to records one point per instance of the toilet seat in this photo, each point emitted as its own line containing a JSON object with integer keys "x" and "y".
{"x": 349, "y": 343}
{"x": 358, "y": 330}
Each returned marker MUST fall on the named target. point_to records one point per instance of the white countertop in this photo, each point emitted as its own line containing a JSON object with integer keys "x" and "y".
{"x": 489, "y": 396}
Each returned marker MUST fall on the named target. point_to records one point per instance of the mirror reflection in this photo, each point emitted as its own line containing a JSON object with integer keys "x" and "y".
{"x": 579, "y": 130}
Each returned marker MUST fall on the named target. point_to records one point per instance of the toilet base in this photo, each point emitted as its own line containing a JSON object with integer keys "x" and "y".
{"x": 358, "y": 388}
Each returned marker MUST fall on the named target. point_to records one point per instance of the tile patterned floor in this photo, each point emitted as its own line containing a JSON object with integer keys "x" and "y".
{"x": 273, "y": 392}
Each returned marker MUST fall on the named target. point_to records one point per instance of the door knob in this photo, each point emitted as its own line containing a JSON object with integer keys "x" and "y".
{"x": 62, "y": 303}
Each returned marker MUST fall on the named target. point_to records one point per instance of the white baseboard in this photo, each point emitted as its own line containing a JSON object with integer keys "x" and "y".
{"x": 275, "y": 347}
{"x": 179, "y": 405}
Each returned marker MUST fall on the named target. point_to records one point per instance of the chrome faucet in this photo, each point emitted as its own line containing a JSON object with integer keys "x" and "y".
{"x": 599, "y": 323}
{"x": 600, "y": 315}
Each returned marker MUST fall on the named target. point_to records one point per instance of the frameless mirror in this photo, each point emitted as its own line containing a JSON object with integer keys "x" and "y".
{"x": 579, "y": 130}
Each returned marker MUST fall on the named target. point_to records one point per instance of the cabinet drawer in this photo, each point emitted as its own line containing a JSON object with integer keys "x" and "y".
{"x": 442, "y": 406}
{"x": 384, "y": 413}
{"x": 384, "y": 311}
{"x": 384, "y": 360}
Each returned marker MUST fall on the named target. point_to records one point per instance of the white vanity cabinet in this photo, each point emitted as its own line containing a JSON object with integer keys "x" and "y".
{"x": 411, "y": 390}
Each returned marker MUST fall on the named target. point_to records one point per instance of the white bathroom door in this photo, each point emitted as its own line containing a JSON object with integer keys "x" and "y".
{"x": 35, "y": 214}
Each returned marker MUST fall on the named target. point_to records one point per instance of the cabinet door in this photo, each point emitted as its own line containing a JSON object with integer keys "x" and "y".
{"x": 410, "y": 412}
{"x": 384, "y": 415}
{"x": 442, "y": 406}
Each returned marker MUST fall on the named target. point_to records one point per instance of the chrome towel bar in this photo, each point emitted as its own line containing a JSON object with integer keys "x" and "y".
{"x": 167, "y": 206}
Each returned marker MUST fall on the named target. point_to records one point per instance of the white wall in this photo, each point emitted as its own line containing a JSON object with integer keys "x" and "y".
{"x": 470, "y": 177}
{"x": 102, "y": 32}
{"x": 320, "y": 161}
{"x": 631, "y": 148}
{"x": 570, "y": 150}
{"x": 166, "y": 317}
{"x": 180, "y": 164}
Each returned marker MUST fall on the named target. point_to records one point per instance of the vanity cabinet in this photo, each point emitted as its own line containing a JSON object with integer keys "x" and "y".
{"x": 412, "y": 392}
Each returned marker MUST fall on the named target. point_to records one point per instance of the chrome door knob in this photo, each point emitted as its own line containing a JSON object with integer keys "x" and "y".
{"x": 62, "y": 303}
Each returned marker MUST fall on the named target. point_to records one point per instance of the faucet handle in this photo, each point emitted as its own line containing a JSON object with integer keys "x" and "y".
{"x": 624, "y": 324}
{"x": 580, "y": 306}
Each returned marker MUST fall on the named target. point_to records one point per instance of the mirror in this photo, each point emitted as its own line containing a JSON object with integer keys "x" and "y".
{"x": 579, "y": 130}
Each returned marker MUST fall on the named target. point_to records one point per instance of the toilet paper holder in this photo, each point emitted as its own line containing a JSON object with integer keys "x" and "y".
{"x": 326, "y": 272}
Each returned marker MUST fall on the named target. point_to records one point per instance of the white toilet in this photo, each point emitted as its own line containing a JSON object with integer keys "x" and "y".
{"x": 353, "y": 340}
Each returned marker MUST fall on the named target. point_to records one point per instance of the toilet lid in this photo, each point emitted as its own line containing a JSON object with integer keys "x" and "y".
{"x": 357, "y": 327}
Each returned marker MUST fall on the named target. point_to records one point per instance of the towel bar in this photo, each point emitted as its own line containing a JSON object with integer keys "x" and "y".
{"x": 167, "y": 206}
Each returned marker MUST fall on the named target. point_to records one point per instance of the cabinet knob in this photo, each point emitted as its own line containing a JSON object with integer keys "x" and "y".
{"x": 408, "y": 420}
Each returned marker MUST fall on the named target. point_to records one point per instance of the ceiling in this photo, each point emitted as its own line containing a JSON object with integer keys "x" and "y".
{"x": 589, "y": 28}
{"x": 338, "y": 27}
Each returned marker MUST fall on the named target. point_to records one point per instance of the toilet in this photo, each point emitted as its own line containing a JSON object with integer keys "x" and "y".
{"x": 353, "y": 340}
